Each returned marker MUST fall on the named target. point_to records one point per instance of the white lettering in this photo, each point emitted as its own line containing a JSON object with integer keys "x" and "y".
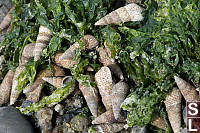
{"x": 192, "y": 108}
{"x": 190, "y": 126}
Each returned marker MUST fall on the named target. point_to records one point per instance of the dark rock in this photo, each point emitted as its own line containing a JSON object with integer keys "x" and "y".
{"x": 12, "y": 121}
{"x": 79, "y": 123}
{"x": 68, "y": 117}
{"x": 138, "y": 129}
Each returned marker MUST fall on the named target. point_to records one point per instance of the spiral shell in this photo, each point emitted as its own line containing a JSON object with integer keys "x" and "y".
{"x": 68, "y": 63}
{"x": 34, "y": 96}
{"x": 106, "y": 117}
{"x": 130, "y": 12}
{"x": 89, "y": 41}
{"x": 55, "y": 58}
{"x": 108, "y": 128}
{"x": 104, "y": 58}
{"x": 119, "y": 93}
{"x": 158, "y": 121}
{"x": 27, "y": 53}
{"x": 42, "y": 41}
{"x": 44, "y": 117}
{"x": 173, "y": 107}
{"x": 91, "y": 95}
{"x": 6, "y": 21}
{"x": 5, "y": 87}
{"x": 187, "y": 90}
{"x": 55, "y": 81}
{"x": 55, "y": 71}
{"x": 104, "y": 82}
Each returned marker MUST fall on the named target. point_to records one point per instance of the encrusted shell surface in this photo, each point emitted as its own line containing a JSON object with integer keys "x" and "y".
{"x": 91, "y": 95}
{"x": 188, "y": 91}
{"x": 34, "y": 96}
{"x": 108, "y": 128}
{"x": 158, "y": 121}
{"x": 173, "y": 107}
{"x": 44, "y": 117}
{"x": 89, "y": 41}
{"x": 104, "y": 58}
{"x": 5, "y": 87}
{"x": 6, "y": 21}
{"x": 68, "y": 63}
{"x": 130, "y": 12}
{"x": 42, "y": 41}
{"x": 104, "y": 82}
{"x": 119, "y": 93}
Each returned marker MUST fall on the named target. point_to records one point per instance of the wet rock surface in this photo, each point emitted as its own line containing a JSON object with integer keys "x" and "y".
{"x": 79, "y": 123}
{"x": 12, "y": 121}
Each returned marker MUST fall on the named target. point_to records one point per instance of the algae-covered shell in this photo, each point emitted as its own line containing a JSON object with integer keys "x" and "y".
{"x": 188, "y": 91}
{"x": 42, "y": 41}
{"x": 130, "y": 12}
{"x": 173, "y": 107}
{"x": 5, "y": 87}
{"x": 89, "y": 41}
{"x": 104, "y": 82}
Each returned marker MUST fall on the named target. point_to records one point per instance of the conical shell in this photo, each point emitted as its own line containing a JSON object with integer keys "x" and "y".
{"x": 106, "y": 117}
{"x": 42, "y": 41}
{"x": 44, "y": 117}
{"x": 55, "y": 58}
{"x": 158, "y": 121}
{"x": 119, "y": 93}
{"x": 130, "y": 12}
{"x": 34, "y": 96}
{"x": 55, "y": 71}
{"x": 89, "y": 41}
{"x": 6, "y": 21}
{"x": 187, "y": 90}
{"x": 104, "y": 58}
{"x": 173, "y": 107}
{"x": 68, "y": 63}
{"x": 104, "y": 82}
{"x": 14, "y": 92}
{"x": 5, "y": 87}
{"x": 108, "y": 128}
{"x": 91, "y": 96}
{"x": 27, "y": 53}
{"x": 55, "y": 81}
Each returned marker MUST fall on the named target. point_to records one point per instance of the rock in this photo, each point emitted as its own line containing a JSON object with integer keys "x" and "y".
{"x": 59, "y": 108}
{"x": 79, "y": 123}
{"x": 77, "y": 101}
{"x": 138, "y": 129}
{"x": 12, "y": 121}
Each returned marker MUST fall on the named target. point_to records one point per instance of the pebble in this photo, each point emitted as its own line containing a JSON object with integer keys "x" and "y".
{"x": 12, "y": 121}
{"x": 79, "y": 123}
{"x": 59, "y": 108}
{"x": 138, "y": 129}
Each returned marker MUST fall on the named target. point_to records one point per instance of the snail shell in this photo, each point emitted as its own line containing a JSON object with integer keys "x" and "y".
{"x": 119, "y": 93}
{"x": 108, "y": 128}
{"x": 6, "y": 21}
{"x": 55, "y": 81}
{"x": 42, "y": 41}
{"x": 158, "y": 121}
{"x": 130, "y": 12}
{"x": 173, "y": 107}
{"x": 104, "y": 82}
{"x": 90, "y": 42}
{"x": 34, "y": 96}
{"x": 5, "y": 87}
{"x": 27, "y": 53}
{"x": 187, "y": 90}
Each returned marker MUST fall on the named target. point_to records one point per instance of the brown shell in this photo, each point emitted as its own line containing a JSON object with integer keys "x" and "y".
{"x": 27, "y": 53}
{"x": 55, "y": 58}
{"x": 6, "y": 21}
{"x": 89, "y": 41}
{"x": 158, "y": 121}
{"x": 68, "y": 63}
{"x": 119, "y": 93}
{"x": 14, "y": 93}
{"x": 188, "y": 91}
{"x": 116, "y": 70}
{"x": 34, "y": 96}
{"x": 44, "y": 117}
{"x": 173, "y": 107}
{"x": 108, "y": 128}
{"x": 130, "y": 12}
{"x": 55, "y": 81}
{"x": 5, "y": 87}
{"x": 55, "y": 71}
{"x": 106, "y": 117}
{"x": 91, "y": 95}
{"x": 42, "y": 41}
{"x": 104, "y": 58}
{"x": 104, "y": 82}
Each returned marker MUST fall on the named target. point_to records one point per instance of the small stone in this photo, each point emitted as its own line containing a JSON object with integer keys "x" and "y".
{"x": 138, "y": 129}
{"x": 12, "y": 121}
{"x": 79, "y": 123}
{"x": 59, "y": 108}
{"x": 68, "y": 117}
